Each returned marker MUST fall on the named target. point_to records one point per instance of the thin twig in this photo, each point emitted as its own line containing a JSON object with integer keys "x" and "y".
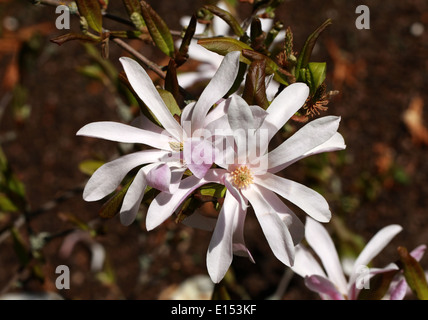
{"x": 148, "y": 63}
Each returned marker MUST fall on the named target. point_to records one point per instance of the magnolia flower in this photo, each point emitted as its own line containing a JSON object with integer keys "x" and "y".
{"x": 248, "y": 172}
{"x": 329, "y": 281}
{"x": 173, "y": 145}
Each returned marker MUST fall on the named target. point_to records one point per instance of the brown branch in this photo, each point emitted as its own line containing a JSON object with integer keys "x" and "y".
{"x": 148, "y": 63}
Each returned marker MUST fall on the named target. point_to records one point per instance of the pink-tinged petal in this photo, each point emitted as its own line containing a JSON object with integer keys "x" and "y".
{"x": 134, "y": 196}
{"x": 274, "y": 229}
{"x": 360, "y": 279}
{"x": 380, "y": 240}
{"x": 186, "y": 117}
{"x": 243, "y": 125}
{"x": 115, "y": 131}
{"x": 305, "y": 264}
{"x": 321, "y": 242}
{"x": 240, "y": 114}
{"x": 176, "y": 176}
{"x": 335, "y": 143}
{"x": 159, "y": 177}
{"x": 234, "y": 191}
{"x": 284, "y": 106}
{"x": 399, "y": 290}
{"x": 220, "y": 250}
{"x": 216, "y": 88}
{"x": 259, "y": 115}
{"x": 106, "y": 179}
{"x": 418, "y": 252}
{"x": 239, "y": 247}
{"x": 164, "y": 204}
{"x": 217, "y": 112}
{"x": 305, "y": 198}
{"x": 198, "y": 156}
{"x": 311, "y": 136}
{"x": 293, "y": 223}
{"x": 374, "y": 247}
{"x": 323, "y": 287}
{"x": 146, "y": 91}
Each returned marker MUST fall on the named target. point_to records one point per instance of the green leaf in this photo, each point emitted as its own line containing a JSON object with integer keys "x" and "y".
{"x": 223, "y": 46}
{"x": 414, "y": 274}
{"x": 228, "y": 18}
{"x": 317, "y": 72}
{"x": 90, "y": 166}
{"x": 91, "y": 10}
{"x": 74, "y": 36}
{"x": 132, "y": 6}
{"x": 379, "y": 285}
{"x": 113, "y": 205}
{"x": 255, "y": 85}
{"x": 305, "y": 54}
{"x": 271, "y": 66}
{"x": 213, "y": 190}
{"x": 20, "y": 247}
{"x": 6, "y": 205}
{"x": 170, "y": 102}
{"x": 127, "y": 34}
{"x": 158, "y": 30}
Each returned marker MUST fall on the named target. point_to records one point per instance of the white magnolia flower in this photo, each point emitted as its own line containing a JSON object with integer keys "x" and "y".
{"x": 329, "y": 280}
{"x": 250, "y": 178}
{"x": 173, "y": 145}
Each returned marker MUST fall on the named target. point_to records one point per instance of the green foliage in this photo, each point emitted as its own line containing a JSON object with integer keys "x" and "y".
{"x": 158, "y": 30}
{"x": 414, "y": 274}
{"x": 91, "y": 11}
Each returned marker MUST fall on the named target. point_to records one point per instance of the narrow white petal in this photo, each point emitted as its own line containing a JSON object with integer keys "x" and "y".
{"x": 106, "y": 179}
{"x": 274, "y": 229}
{"x": 284, "y": 106}
{"x": 335, "y": 143}
{"x": 323, "y": 287}
{"x": 305, "y": 264}
{"x": 220, "y": 250}
{"x": 146, "y": 91}
{"x": 216, "y": 89}
{"x": 164, "y": 204}
{"x": 115, "y": 131}
{"x": 293, "y": 223}
{"x": 309, "y": 137}
{"x": 239, "y": 247}
{"x": 305, "y": 198}
{"x": 319, "y": 239}
{"x": 134, "y": 196}
{"x": 375, "y": 246}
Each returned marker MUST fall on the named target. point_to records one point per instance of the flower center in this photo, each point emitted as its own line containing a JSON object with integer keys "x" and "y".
{"x": 242, "y": 177}
{"x": 176, "y": 146}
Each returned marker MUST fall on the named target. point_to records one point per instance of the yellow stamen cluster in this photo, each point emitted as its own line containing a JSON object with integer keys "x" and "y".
{"x": 176, "y": 146}
{"x": 242, "y": 177}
